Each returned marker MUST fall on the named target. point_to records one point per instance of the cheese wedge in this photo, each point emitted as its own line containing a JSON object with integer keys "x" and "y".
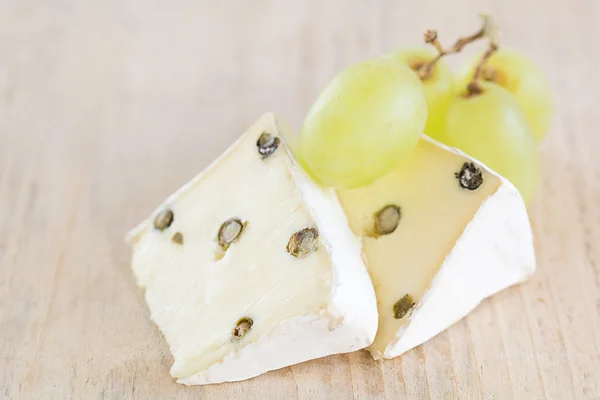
{"x": 440, "y": 233}
{"x": 251, "y": 267}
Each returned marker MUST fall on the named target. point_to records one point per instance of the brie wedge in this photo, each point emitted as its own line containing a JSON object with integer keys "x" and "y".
{"x": 440, "y": 233}
{"x": 251, "y": 266}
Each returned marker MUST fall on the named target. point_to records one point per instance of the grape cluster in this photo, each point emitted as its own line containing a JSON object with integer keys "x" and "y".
{"x": 370, "y": 116}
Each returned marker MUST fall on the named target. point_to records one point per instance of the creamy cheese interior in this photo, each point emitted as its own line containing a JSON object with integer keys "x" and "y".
{"x": 196, "y": 291}
{"x": 435, "y": 210}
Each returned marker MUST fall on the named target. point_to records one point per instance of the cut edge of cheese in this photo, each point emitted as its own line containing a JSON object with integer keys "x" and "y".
{"x": 350, "y": 320}
{"x": 326, "y": 336}
{"x": 445, "y": 302}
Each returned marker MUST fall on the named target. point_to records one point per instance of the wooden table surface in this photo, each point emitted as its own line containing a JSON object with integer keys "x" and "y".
{"x": 107, "y": 106}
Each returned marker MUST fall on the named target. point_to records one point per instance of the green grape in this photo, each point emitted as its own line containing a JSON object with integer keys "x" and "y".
{"x": 492, "y": 127}
{"x": 522, "y": 77}
{"x": 438, "y": 85}
{"x": 367, "y": 119}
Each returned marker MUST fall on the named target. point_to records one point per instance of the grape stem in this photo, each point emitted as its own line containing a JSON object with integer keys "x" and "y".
{"x": 431, "y": 37}
{"x": 474, "y": 87}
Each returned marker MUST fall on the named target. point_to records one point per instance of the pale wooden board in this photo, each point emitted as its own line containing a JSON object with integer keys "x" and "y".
{"x": 107, "y": 106}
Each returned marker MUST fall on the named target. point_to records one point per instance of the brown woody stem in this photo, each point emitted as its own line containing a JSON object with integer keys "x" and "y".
{"x": 474, "y": 87}
{"x": 431, "y": 37}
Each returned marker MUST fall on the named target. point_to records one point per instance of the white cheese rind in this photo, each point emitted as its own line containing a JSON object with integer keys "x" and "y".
{"x": 494, "y": 252}
{"x": 293, "y": 341}
{"x": 353, "y": 291}
{"x": 346, "y": 320}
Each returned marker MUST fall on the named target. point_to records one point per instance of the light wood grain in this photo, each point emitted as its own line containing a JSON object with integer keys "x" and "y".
{"x": 108, "y": 106}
